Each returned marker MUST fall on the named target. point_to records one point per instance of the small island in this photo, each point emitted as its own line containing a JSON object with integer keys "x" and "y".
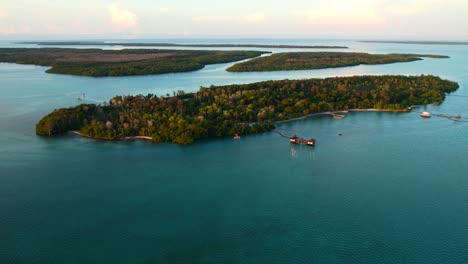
{"x": 139, "y": 44}
{"x": 220, "y": 111}
{"x": 100, "y": 63}
{"x": 321, "y": 60}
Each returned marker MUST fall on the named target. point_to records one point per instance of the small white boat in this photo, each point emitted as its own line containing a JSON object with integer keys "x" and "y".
{"x": 338, "y": 116}
{"x": 425, "y": 114}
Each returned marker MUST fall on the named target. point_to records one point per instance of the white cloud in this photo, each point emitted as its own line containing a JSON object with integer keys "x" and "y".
{"x": 359, "y": 13}
{"x": 349, "y": 11}
{"x": 249, "y": 18}
{"x": 15, "y": 30}
{"x": 412, "y": 7}
{"x": 122, "y": 18}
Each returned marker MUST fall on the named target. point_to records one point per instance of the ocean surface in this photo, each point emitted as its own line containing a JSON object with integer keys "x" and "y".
{"x": 392, "y": 189}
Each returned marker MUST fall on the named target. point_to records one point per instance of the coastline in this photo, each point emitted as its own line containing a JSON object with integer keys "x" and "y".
{"x": 417, "y": 42}
{"x": 343, "y": 111}
{"x": 125, "y": 138}
{"x": 74, "y": 132}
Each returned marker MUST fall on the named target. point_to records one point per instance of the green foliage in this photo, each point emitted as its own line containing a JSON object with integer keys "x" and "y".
{"x": 243, "y": 109}
{"x": 321, "y": 60}
{"x": 98, "y": 63}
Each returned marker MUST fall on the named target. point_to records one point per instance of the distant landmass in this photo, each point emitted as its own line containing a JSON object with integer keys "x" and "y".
{"x": 230, "y": 110}
{"x": 86, "y": 43}
{"x": 417, "y": 42}
{"x": 99, "y": 63}
{"x": 322, "y": 60}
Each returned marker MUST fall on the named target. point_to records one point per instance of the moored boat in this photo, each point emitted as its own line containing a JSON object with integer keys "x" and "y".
{"x": 310, "y": 142}
{"x": 425, "y": 114}
{"x": 294, "y": 139}
{"x": 338, "y": 116}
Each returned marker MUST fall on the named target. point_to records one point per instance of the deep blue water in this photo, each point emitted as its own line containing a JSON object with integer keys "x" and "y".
{"x": 392, "y": 189}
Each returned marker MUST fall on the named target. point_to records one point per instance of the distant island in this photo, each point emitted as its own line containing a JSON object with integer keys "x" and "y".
{"x": 220, "y": 111}
{"x": 126, "y": 44}
{"x": 417, "y": 42}
{"x": 321, "y": 60}
{"x": 99, "y": 63}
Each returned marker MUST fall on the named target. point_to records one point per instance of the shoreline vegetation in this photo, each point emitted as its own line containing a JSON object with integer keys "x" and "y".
{"x": 288, "y": 61}
{"x": 125, "y": 138}
{"x": 417, "y": 42}
{"x": 344, "y": 111}
{"x": 129, "y": 44}
{"x": 126, "y": 62}
{"x": 278, "y": 122}
{"x": 221, "y": 111}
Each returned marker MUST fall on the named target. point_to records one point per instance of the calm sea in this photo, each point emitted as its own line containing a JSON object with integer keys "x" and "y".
{"x": 392, "y": 189}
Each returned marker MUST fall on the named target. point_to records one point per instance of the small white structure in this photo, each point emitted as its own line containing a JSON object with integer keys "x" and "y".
{"x": 425, "y": 114}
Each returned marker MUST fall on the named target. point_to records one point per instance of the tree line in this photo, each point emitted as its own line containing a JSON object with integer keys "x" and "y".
{"x": 321, "y": 60}
{"x": 90, "y": 62}
{"x": 220, "y": 111}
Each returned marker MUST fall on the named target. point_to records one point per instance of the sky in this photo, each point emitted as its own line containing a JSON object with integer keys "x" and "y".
{"x": 108, "y": 19}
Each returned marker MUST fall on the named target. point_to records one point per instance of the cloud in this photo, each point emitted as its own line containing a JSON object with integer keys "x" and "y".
{"x": 347, "y": 11}
{"x": 249, "y": 18}
{"x": 412, "y": 7}
{"x": 364, "y": 12}
{"x": 15, "y": 30}
{"x": 122, "y": 18}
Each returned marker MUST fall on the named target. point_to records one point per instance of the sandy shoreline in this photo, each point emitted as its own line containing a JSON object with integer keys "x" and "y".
{"x": 125, "y": 138}
{"x": 344, "y": 111}
{"x": 278, "y": 122}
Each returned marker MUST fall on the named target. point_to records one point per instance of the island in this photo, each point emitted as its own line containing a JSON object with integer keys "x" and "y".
{"x": 417, "y": 42}
{"x": 130, "y": 44}
{"x": 100, "y": 63}
{"x": 220, "y": 111}
{"x": 321, "y": 60}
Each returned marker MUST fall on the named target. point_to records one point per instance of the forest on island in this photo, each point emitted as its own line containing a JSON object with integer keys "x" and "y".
{"x": 99, "y": 63}
{"x": 287, "y": 61}
{"x": 243, "y": 109}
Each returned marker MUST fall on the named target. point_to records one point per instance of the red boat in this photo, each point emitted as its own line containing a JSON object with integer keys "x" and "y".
{"x": 310, "y": 142}
{"x": 295, "y": 140}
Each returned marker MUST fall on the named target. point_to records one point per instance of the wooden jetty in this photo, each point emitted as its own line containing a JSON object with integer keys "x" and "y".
{"x": 456, "y": 118}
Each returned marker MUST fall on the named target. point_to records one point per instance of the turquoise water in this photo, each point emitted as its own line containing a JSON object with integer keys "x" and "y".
{"x": 392, "y": 189}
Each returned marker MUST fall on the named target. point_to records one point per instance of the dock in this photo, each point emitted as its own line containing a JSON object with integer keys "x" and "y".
{"x": 456, "y": 118}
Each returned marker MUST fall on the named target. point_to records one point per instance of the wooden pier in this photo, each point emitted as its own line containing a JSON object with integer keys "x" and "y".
{"x": 456, "y": 118}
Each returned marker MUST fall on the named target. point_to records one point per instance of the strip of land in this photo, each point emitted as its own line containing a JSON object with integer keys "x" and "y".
{"x": 221, "y": 111}
{"x": 99, "y": 63}
{"x": 288, "y": 61}
{"x": 129, "y": 44}
{"x": 417, "y": 42}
